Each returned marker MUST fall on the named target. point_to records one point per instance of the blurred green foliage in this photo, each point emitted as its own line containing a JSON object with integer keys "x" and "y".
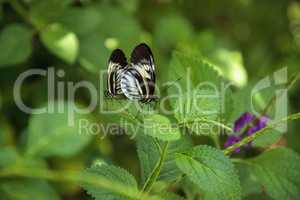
{"x": 237, "y": 42}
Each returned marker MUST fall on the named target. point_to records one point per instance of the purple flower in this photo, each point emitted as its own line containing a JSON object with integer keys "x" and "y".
{"x": 260, "y": 124}
{"x": 232, "y": 140}
{"x": 243, "y": 120}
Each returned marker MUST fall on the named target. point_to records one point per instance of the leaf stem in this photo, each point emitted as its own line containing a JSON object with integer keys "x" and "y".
{"x": 74, "y": 176}
{"x": 216, "y": 140}
{"x": 154, "y": 175}
{"x": 289, "y": 85}
{"x": 69, "y": 177}
{"x": 206, "y": 120}
{"x": 257, "y": 134}
{"x": 214, "y": 137}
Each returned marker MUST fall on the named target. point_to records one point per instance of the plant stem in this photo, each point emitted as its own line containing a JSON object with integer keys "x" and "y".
{"x": 19, "y": 8}
{"x": 257, "y": 134}
{"x": 154, "y": 175}
{"x": 206, "y": 120}
{"x": 74, "y": 176}
{"x": 216, "y": 140}
{"x": 289, "y": 85}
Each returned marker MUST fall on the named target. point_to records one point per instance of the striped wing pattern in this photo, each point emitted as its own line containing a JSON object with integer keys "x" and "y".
{"x": 132, "y": 84}
{"x": 116, "y": 64}
{"x": 138, "y": 80}
{"x": 135, "y": 80}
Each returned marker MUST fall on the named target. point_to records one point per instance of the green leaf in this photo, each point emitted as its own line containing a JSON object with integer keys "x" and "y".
{"x": 191, "y": 72}
{"x": 216, "y": 50}
{"x": 123, "y": 113}
{"x": 6, "y": 132}
{"x": 81, "y": 20}
{"x": 170, "y": 171}
{"x": 53, "y": 134}
{"x": 25, "y": 189}
{"x": 162, "y": 35}
{"x": 15, "y": 44}
{"x": 118, "y": 25}
{"x": 197, "y": 105}
{"x": 248, "y": 181}
{"x": 257, "y": 196}
{"x": 270, "y": 137}
{"x": 116, "y": 29}
{"x": 190, "y": 189}
{"x": 199, "y": 95}
{"x": 231, "y": 65}
{"x": 244, "y": 99}
{"x": 112, "y": 173}
{"x": 278, "y": 171}
{"x": 8, "y": 156}
{"x": 130, "y": 6}
{"x": 228, "y": 107}
{"x": 61, "y": 42}
{"x": 149, "y": 152}
{"x": 93, "y": 54}
{"x": 160, "y": 127}
{"x": 43, "y": 13}
{"x": 126, "y": 114}
{"x": 211, "y": 171}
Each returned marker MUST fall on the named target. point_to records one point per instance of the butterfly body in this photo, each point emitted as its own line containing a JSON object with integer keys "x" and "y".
{"x": 135, "y": 80}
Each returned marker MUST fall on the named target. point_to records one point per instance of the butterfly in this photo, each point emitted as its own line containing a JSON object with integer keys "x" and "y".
{"x": 116, "y": 64}
{"x": 135, "y": 80}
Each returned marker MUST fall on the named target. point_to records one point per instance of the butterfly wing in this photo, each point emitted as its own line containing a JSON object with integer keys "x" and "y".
{"x": 116, "y": 64}
{"x": 132, "y": 84}
{"x": 141, "y": 74}
{"x": 142, "y": 58}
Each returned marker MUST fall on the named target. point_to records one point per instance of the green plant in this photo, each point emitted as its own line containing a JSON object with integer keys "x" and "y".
{"x": 170, "y": 149}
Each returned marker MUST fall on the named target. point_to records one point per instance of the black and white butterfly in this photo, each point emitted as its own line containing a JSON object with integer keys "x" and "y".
{"x": 116, "y": 64}
{"x": 136, "y": 80}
